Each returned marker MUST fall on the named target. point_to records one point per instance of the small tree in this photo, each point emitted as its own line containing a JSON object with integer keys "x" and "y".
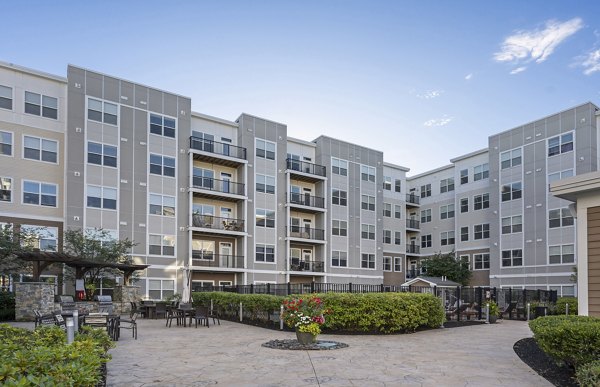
{"x": 10, "y": 245}
{"x": 440, "y": 265}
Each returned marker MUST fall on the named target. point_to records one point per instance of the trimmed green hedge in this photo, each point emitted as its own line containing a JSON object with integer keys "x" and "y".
{"x": 588, "y": 375}
{"x": 561, "y": 306}
{"x": 350, "y": 312}
{"x": 572, "y": 339}
{"x": 43, "y": 358}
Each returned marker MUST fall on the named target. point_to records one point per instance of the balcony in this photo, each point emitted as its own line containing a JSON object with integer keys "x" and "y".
{"x": 412, "y": 200}
{"x": 306, "y": 171}
{"x": 306, "y": 202}
{"x": 312, "y": 266}
{"x": 224, "y": 189}
{"x": 413, "y": 224}
{"x": 221, "y": 225}
{"x": 316, "y": 234}
{"x": 217, "y": 152}
{"x": 413, "y": 249}
{"x": 206, "y": 259}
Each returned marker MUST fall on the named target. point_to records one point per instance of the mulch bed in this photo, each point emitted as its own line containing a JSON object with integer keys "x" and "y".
{"x": 532, "y": 355}
{"x": 294, "y": 345}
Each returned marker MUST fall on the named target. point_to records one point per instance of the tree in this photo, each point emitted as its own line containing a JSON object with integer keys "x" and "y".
{"x": 440, "y": 265}
{"x": 10, "y": 245}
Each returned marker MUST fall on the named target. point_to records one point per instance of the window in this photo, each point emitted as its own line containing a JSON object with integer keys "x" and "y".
{"x": 464, "y": 176}
{"x": 512, "y": 258}
{"x": 512, "y": 224}
{"x": 38, "y": 237}
{"x": 367, "y": 261}
{"x": 265, "y": 218}
{"x": 162, "y": 205}
{"x": 447, "y": 238}
{"x": 367, "y": 173}
{"x": 464, "y": 205}
{"x": 162, "y": 165}
{"x": 6, "y": 97}
{"x": 464, "y": 234}
{"x": 102, "y": 197}
{"x": 481, "y": 201}
{"x": 397, "y": 211}
{"x": 265, "y": 149}
{"x": 161, "y": 245}
{"x": 425, "y": 241}
{"x": 339, "y": 197}
{"x": 447, "y": 185}
{"x": 481, "y": 261}
{"x": 560, "y": 217}
{"x": 105, "y": 112}
{"x": 367, "y": 231}
{"x": 387, "y": 263}
{"x": 481, "y": 231}
{"x": 339, "y": 258}
{"x": 397, "y": 237}
{"x": 397, "y": 185}
{"x": 397, "y": 263}
{"x": 559, "y": 175}
{"x": 560, "y": 144}
{"x": 561, "y": 254}
{"x": 41, "y": 105}
{"x": 367, "y": 202}
{"x": 40, "y": 194}
{"x": 164, "y": 126}
{"x": 35, "y": 148}
{"x": 103, "y": 154}
{"x": 387, "y": 210}
{"x": 265, "y": 184}
{"x": 510, "y": 158}
{"x": 447, "y": 212}
{"x": 265, "y": 253}
{"x": 339, "y": 227}
{"x": 339, "y": 167}
{"x": 5, "y": 143}
{"x": 387, "y": 237}
{"x": 203, "y": 249}
{"x": 159, "y": 289}
{"x": 511, "y": 191}
{"x": 481, "y": 172}
{"x": 426, "y": 216}
{"x": 387, "y": 183}
{"x": 425, "y": 190}
{"x": 5, "y": 189}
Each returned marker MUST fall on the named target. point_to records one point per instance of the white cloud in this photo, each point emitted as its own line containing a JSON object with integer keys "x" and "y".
{"x": 469, "y": 76}
{"x": 430, "y": 94}
{"x": 518, "y": 70}
{"x": 538, "y": 44}
{"x": 591, "y": 62}
{"x": 445, "y": 120}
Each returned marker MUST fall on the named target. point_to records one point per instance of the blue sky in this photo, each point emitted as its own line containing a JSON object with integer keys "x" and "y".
{"x": 423, "y": 81}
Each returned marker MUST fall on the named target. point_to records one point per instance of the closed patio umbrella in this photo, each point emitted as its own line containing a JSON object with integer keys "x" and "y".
{"x": 186, "y": 294}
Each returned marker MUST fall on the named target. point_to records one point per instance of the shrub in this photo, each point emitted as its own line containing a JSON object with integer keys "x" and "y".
{"x": 574, "y": 340}
{"x": 561, "y": 305}
{"x": 258, "y": 307}
{"x": 588, "y": 375}
{"x": 7, "y": 306}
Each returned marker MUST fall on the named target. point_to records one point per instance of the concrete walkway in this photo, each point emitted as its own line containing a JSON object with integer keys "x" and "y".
{"x": 231, "y": 355}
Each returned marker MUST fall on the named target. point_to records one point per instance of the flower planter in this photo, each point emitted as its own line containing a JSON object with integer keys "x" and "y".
{"x": 306, "y": 338}
{"x": 493, "y": 319}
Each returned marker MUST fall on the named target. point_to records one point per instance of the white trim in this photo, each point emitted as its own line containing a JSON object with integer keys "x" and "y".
{"x": 531, "y": 275}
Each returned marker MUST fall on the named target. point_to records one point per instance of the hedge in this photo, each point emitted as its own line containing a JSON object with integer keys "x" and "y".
{"x": 7, "y": 306}
{"x": 572, "y": 339}
{"x": 588, "y": 375}
{"x": 350, "y": 312}
{"x": 561, "y": 306}
{"x": 42, "y": 357}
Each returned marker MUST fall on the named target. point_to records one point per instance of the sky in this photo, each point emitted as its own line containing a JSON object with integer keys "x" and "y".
{"x": 422, "y": 81}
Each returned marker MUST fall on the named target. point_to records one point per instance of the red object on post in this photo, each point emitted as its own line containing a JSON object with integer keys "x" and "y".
{"x": 80, "y": 294}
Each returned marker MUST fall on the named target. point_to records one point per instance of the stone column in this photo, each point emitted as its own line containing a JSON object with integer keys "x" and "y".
{"x": 123, "y": 295}
{"x": 30, "y": 296}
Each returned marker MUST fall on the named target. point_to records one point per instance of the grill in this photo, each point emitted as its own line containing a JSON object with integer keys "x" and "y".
{"x": 105, "y": 304}
{"x": 67, "y": 304}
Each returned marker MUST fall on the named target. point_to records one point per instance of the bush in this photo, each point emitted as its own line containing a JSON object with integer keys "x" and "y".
{"x": 561, "y": 306}
{"x": 588, "y": 375}
{"x": 7, "y": 306}
{"x": 257, "y": 307}
{"x": 574, "y": 340}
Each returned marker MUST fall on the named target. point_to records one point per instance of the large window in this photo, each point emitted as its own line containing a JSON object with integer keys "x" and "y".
{"x": 367, "y": 202}
{"x": 481, "y": 202}
{"x": 481, "y": 231}
{"x": 162, "y": 165}
{"x": 6, "y": 189}
{"x": 6, "y": 143}
{"x": 339, "y": 197}
{"x": 102, "y": 154}
{"x": 481, "y": 261}
{"x": 464, "y": 176}
{"x": 265, "y": 218}
{"x": 265, "y": 149}
{"x": 512, "y": 224}
{"x": 425, "y": 241}
{"x": 561, "y": 254}
{"x": 40, "y": 194}
{"x": 397, "y": 237}
{"x": 266, "y": 184}
{"x": 367, "y": 231}
{"x": 447, "y": 185}
{"x": 339, "y": 258}
{"x": 387, "y": 183}
{"x": 103, "y": 112}
{"x": 159, "y": 289}
{"x": 426, "y": 216}
{"x": 367, "y": 261}
{"x": 387, "y": 263}
{"x": 481, "y": 172}
{"x": 387, "y": 210}
{"x": 162, "y": 126}
{"x": 464, "y": 205}
{"x": 397, "y": 185}
{"x": 447, "y": 238}
{"x": 161, "y": 245}
{"x": 397, "y": 263}
{"x": 512, "y": 257}
{"x": 511, "y": 191}
{"x": 425, "y": 190}
{"x": 367, "y": 173}
{"x": 339, "y": 167}
{"x": 43, "y": 238}
{"x": 41, "y": 105}
{"x": 102, "y": 197}
{"x": 560, "y": 217}
{"x": 6, "y": 97}
{"x": 265, "y": 253}
{"x": 35, "y": 148}
{"x": 447, "y": 211}
{"x": 397, "y": 211}
{"x": 560, "y": 144}
{"x": 339, "y": 227}
{"x": 203, "y": 249}
{"x": 162, "y": 205}
{"x": 464, "y": 234}
{"x": 387, "y": 237}
{"x": 510, "y": 158}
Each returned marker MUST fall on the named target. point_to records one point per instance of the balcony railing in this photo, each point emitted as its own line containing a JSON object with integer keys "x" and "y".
{"x": 207, "y": 259}
{"x": 412, "y": 223}
{"x": 303, "y": 166}
{"x": 224, "y": 186}
{"x": 412, "y": 198}
{"x": 306, "y": 233}
{"x": 219, "y": 148}
{"x": 300, "y": 265}
{"x": 413, "y": 249}
{"x": 217, "y": 223}
{"x": 306, "y": 200}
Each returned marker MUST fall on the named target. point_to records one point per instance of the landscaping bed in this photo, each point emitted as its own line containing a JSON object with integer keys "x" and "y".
{"x": 532, "y": 355}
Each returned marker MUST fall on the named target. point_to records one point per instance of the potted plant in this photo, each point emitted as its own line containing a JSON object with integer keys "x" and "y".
{"x": 305, "y": 316}
{"x": 494, "y": 311}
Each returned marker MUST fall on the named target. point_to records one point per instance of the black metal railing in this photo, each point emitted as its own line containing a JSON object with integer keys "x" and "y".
{"x": 412, "y": 198}
{"x": 303, "y": 166}
{"x": 219, "y": 148}
{"x": 306, "y": 233}
{"x": 306, "y": 200}
{"x": 413, "y": 223}
{"x": 217, "y": 223}
{"x": 303, "y": 265}
{"x": 207, "y": 259}
{"x": 413, "y": 249}
{"x": 224, "y": 186}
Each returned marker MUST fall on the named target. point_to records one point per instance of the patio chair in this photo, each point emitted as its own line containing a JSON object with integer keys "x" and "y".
{"x": 200, "y": 315}
{"x": 38, "y": 318}
{"x": 508, "y": 309}
{"x": 173, "y": 313}
{"x": 136, "y": 309}
{"x": 97, "y": 320}
{"x": 131, "y": 324}
{"x": 161, "y": 310}
{"x": 214, "y": 314}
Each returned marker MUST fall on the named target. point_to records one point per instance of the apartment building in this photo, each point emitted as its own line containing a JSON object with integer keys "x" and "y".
{"x": 220, "y": 202}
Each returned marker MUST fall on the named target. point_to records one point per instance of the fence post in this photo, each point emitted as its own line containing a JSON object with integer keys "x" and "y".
{"x": 435, "y": 291}
{"x": 525, "y": 302}
{"x": 350, "y": 287}
{"x": 268, "y": 288}
{"x": 289, "y": 288}
{"x": 539, "y": 299}
{"x": 251, "y": 288}
{"x": 509, "y": 302}
{"x": 312, "y": 287}
{"x": 494, "y": 295}
{"x": 381, "y": 289}
{"x": 458, "y": 300}
{"x": 480, "y": 301}
{"x": 410, "y": 288}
